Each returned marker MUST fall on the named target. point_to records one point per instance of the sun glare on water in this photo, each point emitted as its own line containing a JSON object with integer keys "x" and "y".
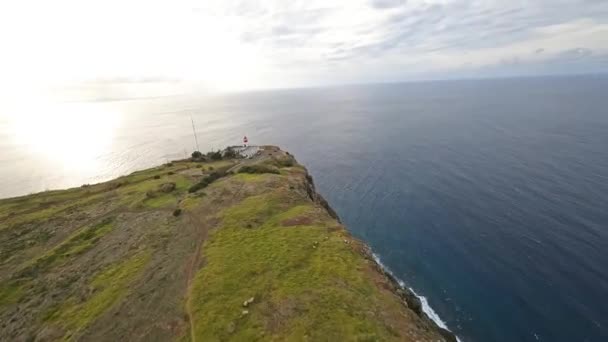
{"x": 70, "y": 135}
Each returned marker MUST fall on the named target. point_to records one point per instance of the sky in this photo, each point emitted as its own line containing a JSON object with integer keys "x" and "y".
{"x": 228, "y": 45}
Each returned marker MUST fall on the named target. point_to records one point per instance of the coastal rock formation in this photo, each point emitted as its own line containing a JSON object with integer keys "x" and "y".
{"x": 230, "y": 249}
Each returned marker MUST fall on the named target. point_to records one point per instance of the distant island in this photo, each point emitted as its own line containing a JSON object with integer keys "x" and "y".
{"x": 227, "y": 245}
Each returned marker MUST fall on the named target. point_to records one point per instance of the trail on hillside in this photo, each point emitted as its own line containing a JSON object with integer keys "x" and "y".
{"x": 199, "y": 223}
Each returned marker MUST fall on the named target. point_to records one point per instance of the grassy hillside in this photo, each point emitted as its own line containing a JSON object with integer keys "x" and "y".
{"x": 203, "y": 251}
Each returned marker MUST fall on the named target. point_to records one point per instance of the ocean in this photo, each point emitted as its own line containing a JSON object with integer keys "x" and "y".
{"x": 489, "y": 198}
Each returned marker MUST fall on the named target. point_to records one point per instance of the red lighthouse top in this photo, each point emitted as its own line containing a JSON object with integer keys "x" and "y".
{"x": 245, "y": 140}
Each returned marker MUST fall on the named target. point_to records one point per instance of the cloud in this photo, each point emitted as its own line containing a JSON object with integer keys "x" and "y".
{"x": 234, "y": 44}
{"x": 383, "y": 4}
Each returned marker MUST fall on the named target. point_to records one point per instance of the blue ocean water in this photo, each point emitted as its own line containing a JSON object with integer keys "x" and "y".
{"x": 488, "y": 197}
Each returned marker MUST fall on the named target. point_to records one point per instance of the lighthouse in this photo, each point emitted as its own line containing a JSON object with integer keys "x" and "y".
{"x": 245, "y": 141}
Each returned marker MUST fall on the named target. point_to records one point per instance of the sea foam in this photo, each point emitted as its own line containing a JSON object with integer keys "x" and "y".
{"x": 428, "y": 310}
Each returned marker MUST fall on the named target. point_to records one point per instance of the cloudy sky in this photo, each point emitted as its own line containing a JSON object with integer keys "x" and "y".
{"x": 232, "y": 45}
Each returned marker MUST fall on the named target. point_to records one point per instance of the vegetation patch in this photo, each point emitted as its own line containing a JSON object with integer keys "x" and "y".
{"x": 191, "y": 202}
{"x": 108, "y": 287}
{"x": 161, "y": 201}
{"x": 45, "y": 207}
{"x": 250, "y": 177}
{"x": 76, "y": 244}
{"x": 306, "y": 282}
{"x": 284, "y": 162}
{"x": 254, "y": 210}
{"x": 10, "y": 292}
{"x": 258, "y": 168}
{"x": 206, "y": 181}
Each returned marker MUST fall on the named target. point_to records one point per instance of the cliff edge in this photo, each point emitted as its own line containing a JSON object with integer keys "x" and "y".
{"x": 218, "y": 247}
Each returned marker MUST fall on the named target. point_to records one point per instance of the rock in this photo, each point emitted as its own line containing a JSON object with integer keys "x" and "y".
{"x": 448, "y": 335}
{"x": 248, "y": 301}
{"x": 245, "y": 313}
{"x": 414, "y": 303}
{"x": 167, "y": 187}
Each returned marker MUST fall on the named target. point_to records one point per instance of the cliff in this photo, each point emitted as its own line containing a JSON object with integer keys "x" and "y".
{"x": 200, "y": 250}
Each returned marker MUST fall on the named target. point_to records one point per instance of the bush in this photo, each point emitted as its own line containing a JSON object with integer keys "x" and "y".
{"x": 157, "y": 177}
{"x": 177, "y": 212}
{"x": 206, "y": 181}
{"x": 258, "y": 169}
{"x": 170, "y": 173}
{"x": 284, "y": 162}
{"x": 215, "y": 155}
{"x": 230, "y": 153}
{"x": 197, "y": 155}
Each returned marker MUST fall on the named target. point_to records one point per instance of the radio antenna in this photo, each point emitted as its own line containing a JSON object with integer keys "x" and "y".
{"x": 194, "y": 132}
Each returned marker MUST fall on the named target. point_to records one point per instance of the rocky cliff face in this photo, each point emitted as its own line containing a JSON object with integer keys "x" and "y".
{"x": 237, "y": 249}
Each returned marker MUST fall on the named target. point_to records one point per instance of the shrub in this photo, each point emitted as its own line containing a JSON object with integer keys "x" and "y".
{"x": 206, "y": 181}
{"x": 157, "y": 177}
{"x": 230, "y": 153}
{"x": 196, "y": 154}
{"x": 170, "y": 173}
{"x": 177, "y": 212}
{"x": 214, "y": 155}
{"x": 284, "y": 162}
{"x": 258, "y": 169}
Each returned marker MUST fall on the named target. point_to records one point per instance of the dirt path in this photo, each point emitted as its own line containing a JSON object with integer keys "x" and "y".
{"x": 199, "y": 222}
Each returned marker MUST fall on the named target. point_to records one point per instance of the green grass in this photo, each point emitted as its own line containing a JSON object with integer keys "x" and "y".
{"x": 259, "y": 168}
{"x": 182, "y": 183}
{"x": 307, "y": 283}
{"x": 133, "y": 195}
{"x": 207, "y": 180}
{"x": 161, "y": 201}
{"x": 253, "y": 211}
{"x": 38, "y": 209}
{"x": 250, "y": 177}
{"x": 76, "y": 244}
{"x": 10, "y": 292}
{"x": 109, "y": 287}
{"x": 192, "y": 201}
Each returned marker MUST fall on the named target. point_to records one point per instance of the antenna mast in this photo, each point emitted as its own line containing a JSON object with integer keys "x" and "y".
{"x": 194, "y": 132}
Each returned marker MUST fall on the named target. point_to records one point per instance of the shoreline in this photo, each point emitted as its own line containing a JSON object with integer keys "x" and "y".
{"x": 426, "y": 308}
{"x": 417, "y": 303}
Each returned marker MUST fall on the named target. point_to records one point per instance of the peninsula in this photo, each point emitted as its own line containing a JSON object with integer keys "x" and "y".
{"x": 232, "y": 245}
